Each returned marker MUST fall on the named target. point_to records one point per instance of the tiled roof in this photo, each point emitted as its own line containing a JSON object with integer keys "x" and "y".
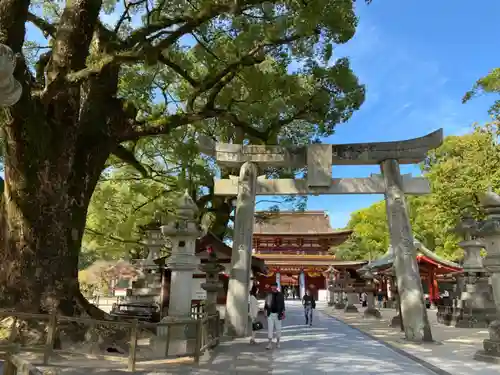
{"x": 307, "y": 222}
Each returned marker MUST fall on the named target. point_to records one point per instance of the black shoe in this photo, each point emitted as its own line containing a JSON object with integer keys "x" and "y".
{"x": 307, "y": 323}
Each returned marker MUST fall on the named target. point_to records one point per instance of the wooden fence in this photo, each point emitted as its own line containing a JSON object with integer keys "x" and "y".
{"x": 207, "y": 336}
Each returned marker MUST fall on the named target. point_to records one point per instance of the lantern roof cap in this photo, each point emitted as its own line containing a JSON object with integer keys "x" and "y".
{"x": 490, "y": 201}
{"x": 186, "y": 207}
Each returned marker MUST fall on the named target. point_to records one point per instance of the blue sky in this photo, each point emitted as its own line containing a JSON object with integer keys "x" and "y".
{"x": 417, "y": 59}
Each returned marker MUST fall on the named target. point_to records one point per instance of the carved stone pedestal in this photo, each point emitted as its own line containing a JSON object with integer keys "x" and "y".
{"x": 352, "y": 298}
{"x": 490, "y": 232}
{"x": 372, "y": 312}
{"x": 176, "y": 340}
{"x": 395, "y": 321}
{"x": 339, "y": 305}
{"x": 476, "y": 308}
{"x": 491, "y": 346}
{"x": 331, "y": 286}
{"x": 212, "y": 287}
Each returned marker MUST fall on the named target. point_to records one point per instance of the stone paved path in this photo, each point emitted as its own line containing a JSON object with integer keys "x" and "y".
{"x": 329, "y": 347}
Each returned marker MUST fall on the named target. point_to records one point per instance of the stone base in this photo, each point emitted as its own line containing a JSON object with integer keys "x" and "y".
{"x": 339, "y": 305}
{"x": 350, "y": 308}
{"x": 466, "y": 318}
{"x": 473, "y": 321}
{"x": 395, "y": 321}
{"x": 484, "y": 356}
{"x": 389, "y": 305}
{"x": 372, "y": 313}
{"x": 445, "y": 316}
{"x": 176, "y": 347}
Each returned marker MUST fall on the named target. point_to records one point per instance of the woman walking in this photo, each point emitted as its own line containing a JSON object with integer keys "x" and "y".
{"x": 275, "y": 311}
{"x": 253, "y": 312}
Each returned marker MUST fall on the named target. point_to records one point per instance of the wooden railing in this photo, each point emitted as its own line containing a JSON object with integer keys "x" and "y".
{"x": 207, "y": 335}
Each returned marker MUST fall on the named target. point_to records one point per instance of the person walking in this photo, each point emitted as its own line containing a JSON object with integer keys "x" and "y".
{"x": 380, "y": 298}
{"x": 275, "y": 312}
{"x": 253, "y": 312}
{"x": 364, "y": 299}
{"x": 309, "y": 305}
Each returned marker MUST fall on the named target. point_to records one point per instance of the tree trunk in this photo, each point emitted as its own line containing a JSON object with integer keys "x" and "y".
{"x": 43, "y": 218}
{"x": 57, "y": 141}
{"x": 221, "y": 207}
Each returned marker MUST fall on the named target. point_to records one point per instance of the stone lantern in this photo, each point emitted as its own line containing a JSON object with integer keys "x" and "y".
{"x": 154, "y": 242}
{"x": 182, "y": 233}
{"x": 212, "y": 285}
{"x": 149, "y": 288}
{"x": 490, "y": 231}
{"x": 475, "y": 305}
{"x": 11, "y": 89}
{"x": 331, "y": 285}
{"x": 370, "y": 311}
{"x": 352, "y": 295}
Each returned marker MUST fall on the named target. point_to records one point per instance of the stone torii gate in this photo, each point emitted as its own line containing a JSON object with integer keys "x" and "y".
{"x": 319, "y": 159}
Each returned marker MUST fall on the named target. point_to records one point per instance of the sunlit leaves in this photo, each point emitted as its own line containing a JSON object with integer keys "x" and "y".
{"x": 370, "y": 238}
{"x": 266, "y": 63}
{"x": 489, "y": 84}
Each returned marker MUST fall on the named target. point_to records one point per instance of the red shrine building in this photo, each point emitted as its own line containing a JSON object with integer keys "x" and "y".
{"x": 297, "y": 248}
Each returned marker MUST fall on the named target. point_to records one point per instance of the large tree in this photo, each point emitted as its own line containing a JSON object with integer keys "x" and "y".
{"x": 98, "y": 88}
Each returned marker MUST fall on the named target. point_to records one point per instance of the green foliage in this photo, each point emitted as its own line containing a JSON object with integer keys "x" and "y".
{"x": 459, "y": 172}
{"x": 370, "y": 238}
{"x": 255, "y": 65}
{"x": 245, "y": 72}
{"x": 489, "y": 84}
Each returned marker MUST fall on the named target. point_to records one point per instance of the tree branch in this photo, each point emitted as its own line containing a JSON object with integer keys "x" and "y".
{"x": 177, "y": 69}
{"x": 126, "y": 12}
{"x": 13, "y": 15}
{"x": 203, "y": 200}
{"x": 189, "y": 22}
{"x": 44, "y": 26}
{"x": 224, "y": 77}
{"x": 128, "y": 157}
{"x": 113, "y": 238}
{"x": 73, "y": 37}
{"x": 150, "y": 200}
{"x": 165, "y": 124}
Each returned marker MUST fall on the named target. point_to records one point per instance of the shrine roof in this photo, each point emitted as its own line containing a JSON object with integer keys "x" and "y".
{"x": 296, "y": 256}
{"x": 424, "y": 256}
{"x": 295, "y": 223}
{"x": 308, "y": 260}
{"x": 221, "y": 248}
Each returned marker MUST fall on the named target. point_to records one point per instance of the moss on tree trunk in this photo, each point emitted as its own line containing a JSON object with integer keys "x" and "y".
{"x": 43, "y": 218}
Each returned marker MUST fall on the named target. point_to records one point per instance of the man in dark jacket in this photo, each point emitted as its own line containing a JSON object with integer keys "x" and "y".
{"x": 309, "y": 304}
{"x": 275, "y": 311}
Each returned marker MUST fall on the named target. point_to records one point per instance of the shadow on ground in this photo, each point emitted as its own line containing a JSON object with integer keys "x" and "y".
{"x": 452, "y": 352}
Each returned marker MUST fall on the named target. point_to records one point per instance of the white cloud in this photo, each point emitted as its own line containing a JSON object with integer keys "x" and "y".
{"x": 407, "y": 92}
